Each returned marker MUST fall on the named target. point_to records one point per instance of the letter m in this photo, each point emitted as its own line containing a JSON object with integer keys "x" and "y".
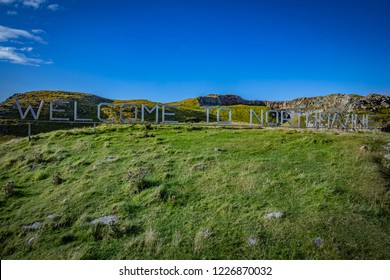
{"x": 29, "y": 108}
{"x": 143, "y": 108}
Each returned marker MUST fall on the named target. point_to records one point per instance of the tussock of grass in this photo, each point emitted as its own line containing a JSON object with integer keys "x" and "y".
{"x": 196, "y": 193}
{"x": 9, "y": 189}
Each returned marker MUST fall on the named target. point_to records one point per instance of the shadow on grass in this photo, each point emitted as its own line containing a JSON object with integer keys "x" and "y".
{"x": 384, "y": 170}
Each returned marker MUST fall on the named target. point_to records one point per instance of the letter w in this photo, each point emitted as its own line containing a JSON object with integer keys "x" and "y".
{"x": 29, "y": 108}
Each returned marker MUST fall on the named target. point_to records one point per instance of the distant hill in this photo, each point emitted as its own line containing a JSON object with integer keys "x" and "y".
{"x": 87, "y": 102}
{"x": 188, "y": 110}
{"x": 192, "y": 110}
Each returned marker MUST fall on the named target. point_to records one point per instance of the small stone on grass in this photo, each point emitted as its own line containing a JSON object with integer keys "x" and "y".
{"x": 31, "y": 239}
{"x": 205, "y": 233}
{"x": 273, "y": 215}
{"x": 252, "y": 241}
{"x": 107, "y": 220}
{"x": 111, "y": 159}
{"x": 34, "y": 225}
{"x": 52, "y": 216}
{"x": 33, "y": 167}
{"x": 200, "y": 166}
{"x": 318, "y": 241}
{"x": 363, "y": 148}
{"x": 61, "y": 157}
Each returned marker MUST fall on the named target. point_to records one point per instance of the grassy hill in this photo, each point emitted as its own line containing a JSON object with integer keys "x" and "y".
{"x": 139, "y": 192}
{"x": 187, "y": 110}
{"x": 87, "y": 103}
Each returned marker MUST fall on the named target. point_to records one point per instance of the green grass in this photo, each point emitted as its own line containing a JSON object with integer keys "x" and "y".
{"x": 196, "y": 193}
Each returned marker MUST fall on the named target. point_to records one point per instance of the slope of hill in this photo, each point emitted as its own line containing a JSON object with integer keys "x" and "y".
{"x": 88, "y": 103}
{"x": 192, "y": 110}
{"x": 186, "y": 110}
{"x": 342, "y": 103}
{"x": 195, "y": 193}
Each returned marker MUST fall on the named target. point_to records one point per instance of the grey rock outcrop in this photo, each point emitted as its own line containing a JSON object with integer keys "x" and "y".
{"x": 333, "y": 102}
{"x": 226, "y": 100}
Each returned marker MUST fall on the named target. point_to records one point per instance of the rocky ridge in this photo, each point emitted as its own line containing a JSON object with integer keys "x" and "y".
{"x": 227, "y": 100}
{"x": 332, "y": 102}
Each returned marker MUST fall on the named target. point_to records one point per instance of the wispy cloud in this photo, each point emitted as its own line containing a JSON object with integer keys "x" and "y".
{"x": 15, "y": 38}
{"x": 7, "y": 1}
{"x": 28, "y": 3}
{"x": 6, "y": 34}
{"x": 16, "y": 56}
{"x": 37, "y": 31}
{"x": 36, "y": 4}
{"x": 33, "y": 3}
{"x": 12, "y": 13}
{"x": 53, "y": 7}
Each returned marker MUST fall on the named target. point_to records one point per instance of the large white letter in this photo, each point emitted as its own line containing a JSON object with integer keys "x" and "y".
{"x": 267, "y": 117}
{"x": 316, "y": 119}
{"x": 323, "y": 117}
{"x": 252, "y": 113}
{"x": 105, "y": 104}
{"x": 75, "y": 115}
{"x": 283, "y": 117}
{"x": 150, "y": 111}
{"x": 356, "y": 120}
{"x": 29, "y": 108}
{"x": 336, "y": 118}
{"x": 346, "y": 121}
{"x": 207, "y": 113}
{"x": 122, "y": 119}
{"x": 167, "y": 114}
{"x": 59, "y": 102}
{"x": 230, "y": 115}
{"x": 369, "y": 121}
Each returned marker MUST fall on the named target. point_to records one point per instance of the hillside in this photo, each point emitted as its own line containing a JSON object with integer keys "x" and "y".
{"x": 192, "y": 110}
{"x": 195, "y": 193}
{"x": 343, "y": 103}
{"x": 88, "y": 103}
{"x": 188, "y": 110}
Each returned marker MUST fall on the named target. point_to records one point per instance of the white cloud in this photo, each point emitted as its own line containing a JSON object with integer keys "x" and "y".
{"x": 21, "y": 37}
{"x": 6, "y": 1}
{"x": 33, "y": 3}
{"x": 30, "y": 3}
{"x": 6, "y": 34}
{"x": 37, "y": 31}
{"x": 12, "y": 13}
{"x": 53, "y": 7}
{"x": 14, "y": 55}
{"x": 27, "y": 49}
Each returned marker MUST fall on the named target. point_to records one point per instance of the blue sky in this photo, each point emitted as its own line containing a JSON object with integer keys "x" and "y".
{"x": 171, "y": 50}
